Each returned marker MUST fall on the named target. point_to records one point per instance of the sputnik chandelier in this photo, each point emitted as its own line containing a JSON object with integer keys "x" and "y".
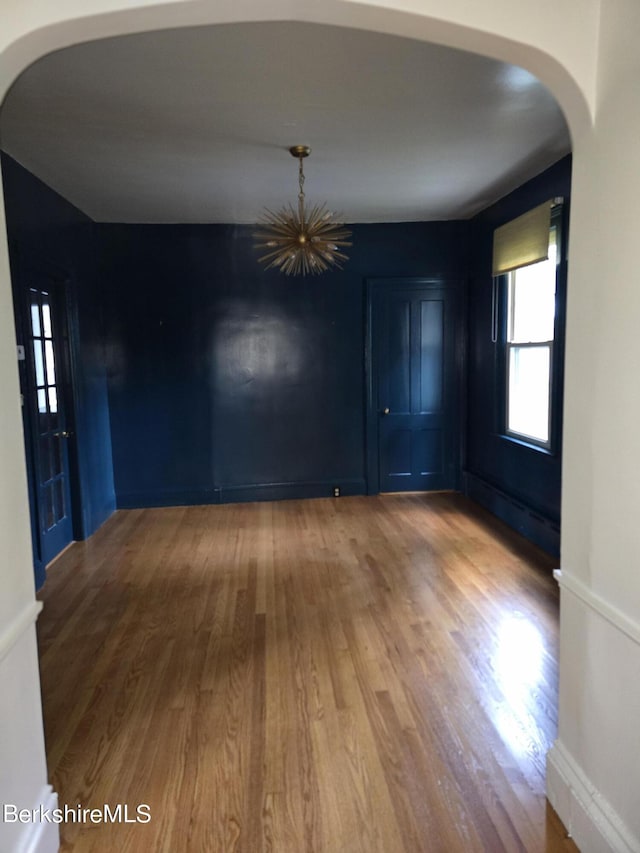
{"x": 301, "y": 242}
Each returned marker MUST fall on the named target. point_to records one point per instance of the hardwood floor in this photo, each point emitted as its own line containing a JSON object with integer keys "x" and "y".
{"x": 323, "y": 676}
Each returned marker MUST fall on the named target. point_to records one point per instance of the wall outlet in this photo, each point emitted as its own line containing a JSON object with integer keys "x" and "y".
{"x": 336, "y": 491}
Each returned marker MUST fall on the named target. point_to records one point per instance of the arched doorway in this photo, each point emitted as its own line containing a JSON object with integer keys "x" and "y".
{"x": 495, "y": 35}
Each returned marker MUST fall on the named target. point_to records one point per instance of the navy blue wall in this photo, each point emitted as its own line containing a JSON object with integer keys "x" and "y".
{"x": 43, "y": 226}
{"x": 525, "y": 483}
{"x": 227, "y": 382}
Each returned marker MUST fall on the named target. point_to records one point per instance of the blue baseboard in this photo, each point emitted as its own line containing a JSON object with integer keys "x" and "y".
{"x": 168, "y": 497}
{"x": 240, "y": 493}
{"x": 531, "y": 524}
{"x": 291, "y": 491}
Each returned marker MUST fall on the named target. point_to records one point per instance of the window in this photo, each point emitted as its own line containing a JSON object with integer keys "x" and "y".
{"x": 531, "y": 301}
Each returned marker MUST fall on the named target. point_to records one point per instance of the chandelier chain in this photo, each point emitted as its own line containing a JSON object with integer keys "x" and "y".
{"x": 301, "y": 193}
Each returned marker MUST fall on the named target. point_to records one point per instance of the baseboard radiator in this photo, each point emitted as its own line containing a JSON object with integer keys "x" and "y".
{"x": 534, "y": 526}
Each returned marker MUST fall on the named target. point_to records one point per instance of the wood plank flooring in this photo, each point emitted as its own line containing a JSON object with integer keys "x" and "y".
{"x": 352, "y": 675}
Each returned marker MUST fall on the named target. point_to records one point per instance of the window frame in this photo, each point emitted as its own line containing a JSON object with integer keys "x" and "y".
{"x": 515, "y": 434}
{"x": 555, "y": 347}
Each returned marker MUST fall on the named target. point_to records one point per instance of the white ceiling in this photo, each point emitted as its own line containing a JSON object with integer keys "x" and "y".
{"x": 193, "y": 125}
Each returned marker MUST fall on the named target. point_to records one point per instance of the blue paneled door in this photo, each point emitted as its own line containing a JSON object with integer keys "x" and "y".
{"x": 45, "y": 391}
{"x": 415, "y": 387}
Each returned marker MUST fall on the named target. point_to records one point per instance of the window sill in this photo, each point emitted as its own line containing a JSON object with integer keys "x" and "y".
{"x": 529, "y": 445}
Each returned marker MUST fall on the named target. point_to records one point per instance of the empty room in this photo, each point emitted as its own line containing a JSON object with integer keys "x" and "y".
{"x": 297, "y": 514}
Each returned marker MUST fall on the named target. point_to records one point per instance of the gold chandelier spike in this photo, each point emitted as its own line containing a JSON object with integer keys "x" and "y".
{"x": 302, "y": 242}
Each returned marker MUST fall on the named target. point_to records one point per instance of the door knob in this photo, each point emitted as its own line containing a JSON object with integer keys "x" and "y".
{"x": 386, "y": 410}
{"x": 63, "y": 434}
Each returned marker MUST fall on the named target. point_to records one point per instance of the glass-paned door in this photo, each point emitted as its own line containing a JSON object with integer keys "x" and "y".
{"x": 45, "y": 352}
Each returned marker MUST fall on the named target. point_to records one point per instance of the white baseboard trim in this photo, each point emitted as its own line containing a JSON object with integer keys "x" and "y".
{"x": 18, "y": 625}
{"x": 589, "y": 818}
{"x": 42, "y": 837}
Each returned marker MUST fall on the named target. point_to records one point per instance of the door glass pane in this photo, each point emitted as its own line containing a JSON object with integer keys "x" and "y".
{"x": 35, "y": 320}
{"x": 42, "y": 401}
{"x": 53, "y": 400}
{"x": 46, "y": 317}
{"x": 39, "y": 362}
{"x": 51, "y": 366}
{"x": 529, "y": 377}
